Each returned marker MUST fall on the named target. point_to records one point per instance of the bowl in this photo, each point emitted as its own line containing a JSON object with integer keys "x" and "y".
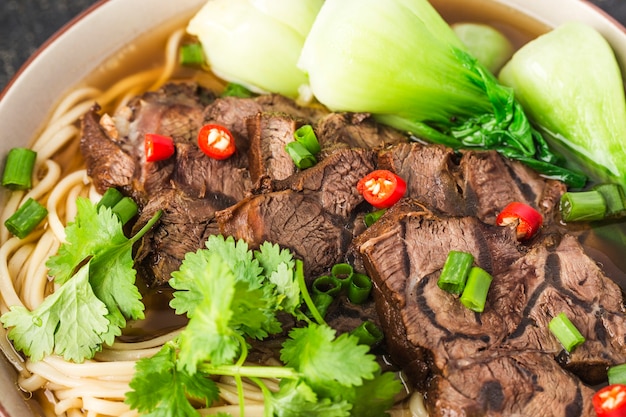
{"x": 88, "y": 46}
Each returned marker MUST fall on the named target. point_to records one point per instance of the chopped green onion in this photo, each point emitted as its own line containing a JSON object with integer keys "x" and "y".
{"x": 18, "y": 169}
{"x": 125, "y": 209}
{"x": 476, "y": 288}
{"x": 300, "y": 155}
{"x": 306, "y": 136}
{"x": 360, "y": 288}
{"x": 324, "y": 290}
{"x": 236, "y": 90}
{"x": 617, "y": 374}
{"x": 368, "y": 333}
{"x": 111, "y": 197}
{"x": 191, "y": 54}
{"x": 26, "y": 218}
{"x": 455, "y": 271}
{"x": 372, "y": 217}
{"x": 565, "y": 331}
{"x": 343, "y": 273}
{"x": 582, "y": 206}
{"x": 614, "y": 198}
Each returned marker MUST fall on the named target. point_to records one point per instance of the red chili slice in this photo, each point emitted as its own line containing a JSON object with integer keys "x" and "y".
{"x": 610, "y": 401}
{"x": 381, "y": 188}
{"x": 527, "y": 218}
{"x": 216, "y": 141}
{"x": 158, "y": 147}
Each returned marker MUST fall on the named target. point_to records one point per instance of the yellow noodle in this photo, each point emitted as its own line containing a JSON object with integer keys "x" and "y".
{"x": 16, "y": 265}
{"x": 35, "y": 291}
{"x": 57, "y": 141}
{"x": 57, "y": 194}
{"x": 91, "y": 368}
{"x": 252, "y": 410}
{"x": 171, "y": 51}
{"x": 63, "y": 406}
{"x": 72, "y": 99}
{"x": 98, "y": 406}
{"x": 9, "y": 208}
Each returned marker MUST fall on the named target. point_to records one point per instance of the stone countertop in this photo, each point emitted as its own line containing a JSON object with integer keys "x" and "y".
{"x": 26, "y": 24}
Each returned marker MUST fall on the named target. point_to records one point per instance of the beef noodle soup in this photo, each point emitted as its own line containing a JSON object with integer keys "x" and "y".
{"x": 98, "y": 386}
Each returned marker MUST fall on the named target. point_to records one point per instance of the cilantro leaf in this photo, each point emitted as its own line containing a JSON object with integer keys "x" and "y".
{"x": 70, "y": 322}
{"x": 322, "y": 359}
{"x": 375, "y": 396}
{"x": 97, "y": 235}
{"x": 239, "y": 258}
{"x": 160, "y": 389}
{"x": 296, "y": 399}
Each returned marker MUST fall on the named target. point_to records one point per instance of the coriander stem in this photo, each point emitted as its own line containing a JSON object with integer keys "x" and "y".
{"x": 305, "y": 293}
{"x": 147, "y": 226}
{"x": 247, "y": 371}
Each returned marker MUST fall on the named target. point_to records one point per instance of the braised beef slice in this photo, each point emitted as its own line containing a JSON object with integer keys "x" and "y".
{"x": 355, "y": 130}
{"x": 183, "y": 227}
{"x": 518, "y": 384}
{"x": 200, "y": 176}
{"x": 293, "y": 220}
{"x": 268, "y": 134}
{"x": 107, "y": 164}
{"x": 431, "y": 331}
{"x": 334, "y": 180}
{"x": 489, "y": 182}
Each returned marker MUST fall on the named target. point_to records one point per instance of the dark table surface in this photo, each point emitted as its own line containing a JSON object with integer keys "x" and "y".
{"x": 27, "y": 24}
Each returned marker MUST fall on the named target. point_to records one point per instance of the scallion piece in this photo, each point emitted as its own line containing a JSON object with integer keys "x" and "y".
{"x": 368, "y": 333}
{"x": 617, "y": 374}
{"x": 582, "y": 206}
{"x": 111, "y": 197}
{"x": 18, "y": 169}
{"x": 477, "y": 286}
{"x": 306, "y": 136}
{"x": 372, "y": 217}
{"x": 614, "y": 198}
{"x": 455, "y": 271}
{"x": 360, "y": 288}
{"x": 125, "y": 209}
{"x": 236, "y": 90}
{"x": 323, "y": 292}
{"x": 300, "y": 155}
{"x": 565, "y": 331}
{"x": 343, "y": 273}
{"x": 191, "y": 54}
{"x": 26, "y": 218}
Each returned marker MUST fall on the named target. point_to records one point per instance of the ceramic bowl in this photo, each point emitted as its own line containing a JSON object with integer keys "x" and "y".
{"x": 88, "y": 43}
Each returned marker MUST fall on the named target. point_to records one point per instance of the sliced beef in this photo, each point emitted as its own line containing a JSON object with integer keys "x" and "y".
{"x": 520, "y": 384}
{"x": 107, "y": 164}
{"x": 183, "y": 227}
{"x": 430, "y": 172}
{"x": 268, "y": 134}
{"x": 293, "y": 220}
{"x": 333, "y": 180}
{"x": 355, "y": 130}
{"x": 432, "y": 332}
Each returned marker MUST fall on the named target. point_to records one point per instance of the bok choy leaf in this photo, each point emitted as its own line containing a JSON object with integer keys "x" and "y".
{"x": 400, "y": 61}
{"x": 256, "y": 43}
{"x": 571, "y": 85}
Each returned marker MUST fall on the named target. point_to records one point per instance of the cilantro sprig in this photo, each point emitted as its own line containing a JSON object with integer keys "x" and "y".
{"x": 97, "y": 292}
{"x": 230, "y": 293}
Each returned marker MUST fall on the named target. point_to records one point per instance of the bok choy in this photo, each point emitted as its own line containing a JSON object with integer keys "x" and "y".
{"x": 400, "y": 61}
{"x": 256, "y": 43}
{"x": 571, "y": 85}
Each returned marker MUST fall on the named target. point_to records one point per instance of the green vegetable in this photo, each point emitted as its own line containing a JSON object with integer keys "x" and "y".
{"x": 236, "y": 34}
{"x": 615, "y": 198}
{"x": 343, "y": 272}
{"x": 94, "y": 269}
{"x": 368, "y": 333}
{"x": 566, "y": 332}
{"x": 403, "y": 63}
{"x": 110, "y": 198}
{"x": 617, "y": 374}
{"x": 236, "y": 90}
{"x": 125, "y": 209}
{"x": 372, "y": 217}
{"x": 455, "y": 271}
{"x": 191, "y": 54}
{"x": 324, "y": 291}
{"x": 476, "y": 288}
{"x": 306, "y": 136}
{"x": 359, "y": 288}
{"x": 582, "y": 206}
{"x": 300, "y": 155}
{"x": 231, "y": 293}
{"x": 26, "y": 218}
{"x": 487, "y": 44}
{"x": 18, "y": 169}
{"x": 571, "y": 86}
